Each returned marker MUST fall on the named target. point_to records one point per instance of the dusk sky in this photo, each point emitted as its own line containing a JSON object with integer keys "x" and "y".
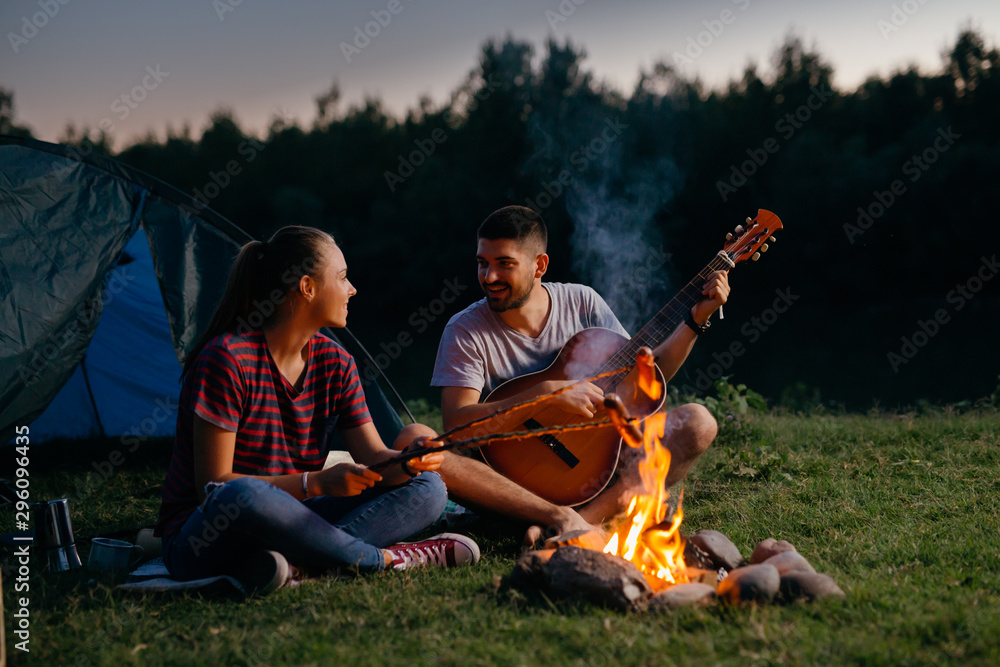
{"x": 256, "y": 57}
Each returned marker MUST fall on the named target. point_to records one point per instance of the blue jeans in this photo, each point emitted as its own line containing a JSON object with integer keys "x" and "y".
{"x": 318, "y": 533}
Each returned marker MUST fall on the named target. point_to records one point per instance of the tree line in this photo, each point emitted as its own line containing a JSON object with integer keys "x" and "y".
{"x": 886, "y": 192}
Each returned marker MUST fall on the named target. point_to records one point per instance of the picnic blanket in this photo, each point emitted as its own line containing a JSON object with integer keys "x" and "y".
{"x": 153, "y": 577}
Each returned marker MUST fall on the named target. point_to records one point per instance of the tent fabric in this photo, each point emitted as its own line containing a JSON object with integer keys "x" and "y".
{"x": 128, "y": 380}
{"x": 79, "y": 284}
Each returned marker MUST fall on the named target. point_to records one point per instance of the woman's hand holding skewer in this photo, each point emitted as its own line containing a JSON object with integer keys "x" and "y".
{"x": 345, "y": 479}
{"x": 425, "y": 463}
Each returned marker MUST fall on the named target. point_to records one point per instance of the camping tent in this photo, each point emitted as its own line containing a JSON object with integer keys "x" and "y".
{"x": 95, "y": 316}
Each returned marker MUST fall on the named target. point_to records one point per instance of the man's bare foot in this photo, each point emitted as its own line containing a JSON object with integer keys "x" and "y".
{"x": 531, "y": 538}
{"x": 569, "y": 520}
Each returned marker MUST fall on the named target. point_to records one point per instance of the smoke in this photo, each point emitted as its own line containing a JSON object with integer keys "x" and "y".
{"x": 617, "y": 248}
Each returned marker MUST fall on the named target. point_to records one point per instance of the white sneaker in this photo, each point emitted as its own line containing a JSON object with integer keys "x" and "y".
{"x": 262, "y": 572}
{"x": 444, "y": 550}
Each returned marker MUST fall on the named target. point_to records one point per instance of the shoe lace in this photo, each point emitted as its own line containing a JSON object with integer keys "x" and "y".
{"x": 427, "y": 554}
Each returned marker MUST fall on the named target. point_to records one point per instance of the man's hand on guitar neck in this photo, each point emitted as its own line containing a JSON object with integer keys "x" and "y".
{"x": 671, "y": 353}
{"x": 714, "y": 294}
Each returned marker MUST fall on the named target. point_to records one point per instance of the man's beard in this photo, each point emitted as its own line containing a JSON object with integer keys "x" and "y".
{"x": 512, "y": 300}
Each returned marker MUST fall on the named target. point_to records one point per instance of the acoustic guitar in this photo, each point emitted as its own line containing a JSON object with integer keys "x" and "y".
{"x": 573, "y": 467}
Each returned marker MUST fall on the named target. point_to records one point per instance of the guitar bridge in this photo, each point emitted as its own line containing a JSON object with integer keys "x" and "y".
{"x": 553, "y": 443}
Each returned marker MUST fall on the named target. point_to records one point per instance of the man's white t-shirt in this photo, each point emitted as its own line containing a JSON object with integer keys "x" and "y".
{"x": 479, "y": 351}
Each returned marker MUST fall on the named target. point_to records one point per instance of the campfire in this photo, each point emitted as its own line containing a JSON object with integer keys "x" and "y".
{"x": 647, "y": 562}
{"x": 645, "y": 537}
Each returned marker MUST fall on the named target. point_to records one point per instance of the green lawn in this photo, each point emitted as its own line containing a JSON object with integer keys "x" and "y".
{"x": 902, "y": 511}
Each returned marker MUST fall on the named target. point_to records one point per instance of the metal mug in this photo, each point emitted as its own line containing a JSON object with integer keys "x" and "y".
{"x": 54, "y": 535}
{"x": 112, "y": 555}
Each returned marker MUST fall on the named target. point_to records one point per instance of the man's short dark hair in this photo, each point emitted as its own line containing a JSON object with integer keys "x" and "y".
{"x": 516, "y": 222}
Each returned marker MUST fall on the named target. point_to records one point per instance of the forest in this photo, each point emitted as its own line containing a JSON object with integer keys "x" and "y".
{"x": 880, "y": 290}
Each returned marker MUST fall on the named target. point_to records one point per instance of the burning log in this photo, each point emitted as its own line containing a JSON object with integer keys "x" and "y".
{"x": 576, "y": 572}
{"x": 528, "y": 571}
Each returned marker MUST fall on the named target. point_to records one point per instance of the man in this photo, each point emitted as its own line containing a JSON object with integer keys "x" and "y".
{"x": 519, "y": 328}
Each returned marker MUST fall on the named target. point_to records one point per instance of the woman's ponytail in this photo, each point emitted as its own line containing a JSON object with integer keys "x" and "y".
{"x": 242, "y": 288}
{"x": 263, "y": 269}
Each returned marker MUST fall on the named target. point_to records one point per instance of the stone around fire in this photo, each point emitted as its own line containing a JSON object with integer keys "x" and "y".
{"x": 790, "y": 561}
{"x": 753, "y": 583}
{"x": 683, "y": 595}
{"x": 768, "y": 548}
{"x": 809, "y": 586}
{"x": 721, "y": 552}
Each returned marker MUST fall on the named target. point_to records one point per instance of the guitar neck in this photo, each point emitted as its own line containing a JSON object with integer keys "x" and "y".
{"x": 665, "y": 321}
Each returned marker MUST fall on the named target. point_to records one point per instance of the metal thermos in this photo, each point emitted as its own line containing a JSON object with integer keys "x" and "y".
{"x": 54, "y": 535}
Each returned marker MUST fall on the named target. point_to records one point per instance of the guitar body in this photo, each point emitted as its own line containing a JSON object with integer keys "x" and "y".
{"x": 568, "y": 468}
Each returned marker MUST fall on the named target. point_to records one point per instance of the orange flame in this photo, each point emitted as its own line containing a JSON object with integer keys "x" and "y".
{"x": 642, "y": 537}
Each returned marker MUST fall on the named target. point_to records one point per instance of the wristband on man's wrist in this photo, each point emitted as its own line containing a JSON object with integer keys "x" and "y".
{"x": 698, "y": 329}
{"x": 407, "y": 469}
{"x": 305, "y": 484}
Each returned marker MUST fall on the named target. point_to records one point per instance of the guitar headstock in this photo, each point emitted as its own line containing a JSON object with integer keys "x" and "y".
{"x": 749, "y": 243}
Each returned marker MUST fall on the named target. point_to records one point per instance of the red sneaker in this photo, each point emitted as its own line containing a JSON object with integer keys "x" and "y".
{"x": 444, "y": 550}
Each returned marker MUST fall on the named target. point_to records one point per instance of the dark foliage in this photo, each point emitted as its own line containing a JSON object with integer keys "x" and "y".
{"x": 404, "y": 197}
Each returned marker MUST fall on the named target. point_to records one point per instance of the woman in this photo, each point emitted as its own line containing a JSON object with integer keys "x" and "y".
{"x": 262, "y": 392}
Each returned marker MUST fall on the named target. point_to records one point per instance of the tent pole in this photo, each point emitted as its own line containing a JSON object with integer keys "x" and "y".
{"x": 384, "y": 377}
{"x": 90, "y": 394}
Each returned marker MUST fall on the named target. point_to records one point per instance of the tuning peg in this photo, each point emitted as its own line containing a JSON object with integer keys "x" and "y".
{"x": 729, "y": 237}
{"x": 755, "y": 256}
{"x": 739, "y": 229}
{"x": 763, "y": 248}
{"x": 749, "y": 220}
{"x": 773, "y": 240}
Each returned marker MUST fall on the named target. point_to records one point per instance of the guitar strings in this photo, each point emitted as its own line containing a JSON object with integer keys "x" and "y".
{"x": 511, "y": 435}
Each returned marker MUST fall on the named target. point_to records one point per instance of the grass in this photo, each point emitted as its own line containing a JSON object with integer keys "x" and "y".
{"x": 902, "y": 511}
